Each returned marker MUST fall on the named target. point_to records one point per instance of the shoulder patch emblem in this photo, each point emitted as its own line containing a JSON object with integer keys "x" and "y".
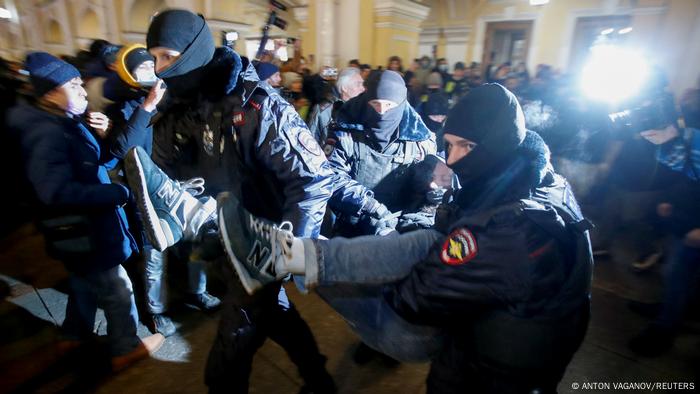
{"x": 309, "y": 143}
{"x": 459, "y": 248}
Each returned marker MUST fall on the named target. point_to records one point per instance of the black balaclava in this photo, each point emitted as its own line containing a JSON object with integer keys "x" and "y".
{"x": 437, "y": 104}
{"x": 388, "y": 85}
{"x": 491, "y": 117}
{"x": 188, "y": 34}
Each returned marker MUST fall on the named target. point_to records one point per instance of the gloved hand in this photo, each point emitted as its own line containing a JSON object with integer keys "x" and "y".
{"x": 415, "y": 221}
{"x": 377, "y": 210}
{"x": 387, "y": 224}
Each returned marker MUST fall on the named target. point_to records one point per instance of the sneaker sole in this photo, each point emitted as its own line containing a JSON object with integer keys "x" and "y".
{"x": 153, "y": 229}
{"x": 250, "y": 284}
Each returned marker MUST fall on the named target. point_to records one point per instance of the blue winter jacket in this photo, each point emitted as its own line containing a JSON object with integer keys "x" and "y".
{"x": 65, "y": 167}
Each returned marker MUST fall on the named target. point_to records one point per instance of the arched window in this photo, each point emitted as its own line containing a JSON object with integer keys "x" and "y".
{"x": 54, "y": 33}
{"x": 89, "y": 26}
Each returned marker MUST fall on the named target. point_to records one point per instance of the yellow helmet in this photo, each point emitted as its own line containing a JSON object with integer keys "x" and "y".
{"x": 120, "y": 64}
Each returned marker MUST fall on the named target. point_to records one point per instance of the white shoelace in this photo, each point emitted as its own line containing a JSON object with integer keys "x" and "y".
{"x": 285, "y": 238}
{"x": 194, "y": 185}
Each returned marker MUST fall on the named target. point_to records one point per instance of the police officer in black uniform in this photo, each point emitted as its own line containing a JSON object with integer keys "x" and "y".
{"x": 220, "y": 123}
{"x": 511, "y": 281}
{"x": 374, "y": 139}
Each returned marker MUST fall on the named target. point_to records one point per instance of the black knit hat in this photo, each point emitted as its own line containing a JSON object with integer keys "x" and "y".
{"x": 490, "y": 116}
{"x": 174, "y": 29}
{"x": 136, "y": 57}
{"x": 437, "y": 104}
{"x": 186, "y": 33}
{"x": 47, "y": 72}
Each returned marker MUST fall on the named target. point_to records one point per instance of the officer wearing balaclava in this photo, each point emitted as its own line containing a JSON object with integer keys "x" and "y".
{"x": 510, "y": 281}
{"x": 220, "y": 123}
{"x": 376, "y": 136}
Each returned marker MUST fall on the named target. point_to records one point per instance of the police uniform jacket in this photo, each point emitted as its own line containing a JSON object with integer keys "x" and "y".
{"x": 242, "y": 136}
{"x": 510, "y": 280}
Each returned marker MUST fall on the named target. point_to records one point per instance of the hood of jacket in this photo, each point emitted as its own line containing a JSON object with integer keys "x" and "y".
{"x": 528, "y": 168}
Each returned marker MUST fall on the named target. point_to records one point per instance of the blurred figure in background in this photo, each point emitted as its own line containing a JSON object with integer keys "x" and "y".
{"x": 269, "y": 73}
{"x": 349, "y": 85}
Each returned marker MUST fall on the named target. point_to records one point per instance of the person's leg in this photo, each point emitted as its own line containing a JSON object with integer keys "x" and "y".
{"x": 198, "y": 296}
{"x": 263, "y": 252}
{"x": 154, "y": 262}
{"x": 682, "y": 275}
{"x": 238, "y": 338}
{"x": 80, "y": 310}
{"x": 116, "y": 297}
{"x": 286, "y": 327}
{"x": 155, "y": 290}
{"x": 367, "y": 259}
{"x": 683, "y": 267}
{"x": 260, "y": 251}
{"x": 379, "y": 326}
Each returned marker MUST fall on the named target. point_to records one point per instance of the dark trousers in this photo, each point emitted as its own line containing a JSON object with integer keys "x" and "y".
{"x": 246, "y": 322}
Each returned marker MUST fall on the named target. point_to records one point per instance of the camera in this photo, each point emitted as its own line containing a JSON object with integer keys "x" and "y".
{"x": 329, "y": 73}
{"x": 655, "y": 113}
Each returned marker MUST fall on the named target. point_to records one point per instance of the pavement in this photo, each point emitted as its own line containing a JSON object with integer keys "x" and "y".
{"x": 31, "y": 359}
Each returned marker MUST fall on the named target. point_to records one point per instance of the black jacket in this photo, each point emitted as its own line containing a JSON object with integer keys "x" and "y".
{"x": 241, "y": 136}
{"x": 510, "y": 281}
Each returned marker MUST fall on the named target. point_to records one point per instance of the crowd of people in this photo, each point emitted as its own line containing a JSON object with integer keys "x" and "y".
{"x": 422, "y": 205}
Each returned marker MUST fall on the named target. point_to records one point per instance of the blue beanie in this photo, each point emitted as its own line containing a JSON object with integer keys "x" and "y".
{"x": 47, "y": 72}
{"x": 266, "y": 70}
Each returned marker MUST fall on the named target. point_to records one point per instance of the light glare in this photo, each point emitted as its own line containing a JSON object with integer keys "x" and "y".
{"x": 613, "y": 74}
{"x": 5, "y": 13}
{"x": 625, "y": 30}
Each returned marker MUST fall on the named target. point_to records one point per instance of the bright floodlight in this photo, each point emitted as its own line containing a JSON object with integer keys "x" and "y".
{"x": 5, "y": 13}
{"x": 613, "y": 74}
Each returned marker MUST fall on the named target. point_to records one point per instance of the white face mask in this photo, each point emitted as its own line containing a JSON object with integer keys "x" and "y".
{"x": 77, "y": 107}
{"x": 145, "y": 77}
